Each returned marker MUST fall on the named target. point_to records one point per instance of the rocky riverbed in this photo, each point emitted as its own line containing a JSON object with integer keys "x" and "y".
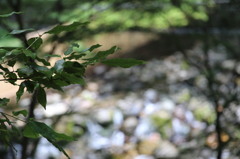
{"x": 144, "y": 112}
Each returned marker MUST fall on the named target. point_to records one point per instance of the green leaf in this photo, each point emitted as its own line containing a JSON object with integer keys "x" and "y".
{"x": 9, "y": 14}
{"x": 72, "y": 78}
{"x": 47, "y": 132}
{"x": 13, "y": 53}
{"x": 75, "y": 45}
{"x": 58, "y": 67}
{"x": 12, "y": 77}
{"x": 74, "y": 68}
{"x": 16, "y": 131}
{"x": 11, "y": 63}
{"x": 68, "y": 51}
{"x": 4, "y": 69}
{"x": 4, "y": 101}
{"x": 75, "y": 56}
{"x": 50, "y": 55}
{"x": 2, "y": 54}
{"x": 35, "y": 42}
{"x": 94, "y": 47}
{"x": 41, "y": 97}
{"x": 29, "y": 131}
{"x": 29, "y": 53}
{"x": 14, "y": 32}
{"x": 30, "y": 85}
{"x": 123, "y": 62}
{"x": 60, "y": 28}
{"x": 43, "y": 61}
{"x": 103, "y": 54}
{"x": 48, "y": 83}
{"x": 23, "y": 112}
{"x": 25, "y": 71}
{"x": 20, "y": 91}
{"x": 44, "y": 70}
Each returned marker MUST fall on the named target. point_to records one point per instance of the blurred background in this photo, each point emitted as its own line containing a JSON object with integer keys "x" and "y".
{"x": 182, "y": 104}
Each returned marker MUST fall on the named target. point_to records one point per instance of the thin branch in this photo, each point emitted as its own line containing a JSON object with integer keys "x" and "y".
{"x": 13, "y": 117}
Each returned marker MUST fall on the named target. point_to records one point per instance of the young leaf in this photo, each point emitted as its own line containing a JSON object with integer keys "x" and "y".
{"x": 60, "y": 28}
{"x": 122, "y": 62}
{"x": 3, "y": 101}
{"x": 35, "y": 42}
{"x": 14, "y": 32}
{"x": 23, "y": 112}
{"x": 20, "y": 91}
{"x": 41, "y": 97}
{"x": 9, "y": 14}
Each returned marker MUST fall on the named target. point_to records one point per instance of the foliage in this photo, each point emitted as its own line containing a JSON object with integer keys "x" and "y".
{"x": 36, "y": 74}
{"x": 114, "y": 15}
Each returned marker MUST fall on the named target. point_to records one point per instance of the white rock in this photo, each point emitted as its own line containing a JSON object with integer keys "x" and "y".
{"x": 166, "y": 150}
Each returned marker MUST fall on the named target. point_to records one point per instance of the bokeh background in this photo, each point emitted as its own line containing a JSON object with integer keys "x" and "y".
{"x": 182, "y": 104}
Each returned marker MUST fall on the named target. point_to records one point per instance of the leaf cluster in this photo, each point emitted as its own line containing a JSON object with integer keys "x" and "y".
{"x": 36, "y": 74}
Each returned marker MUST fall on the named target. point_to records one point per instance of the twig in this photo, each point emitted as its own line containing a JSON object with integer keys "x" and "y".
{"x": 13, "y": 117}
